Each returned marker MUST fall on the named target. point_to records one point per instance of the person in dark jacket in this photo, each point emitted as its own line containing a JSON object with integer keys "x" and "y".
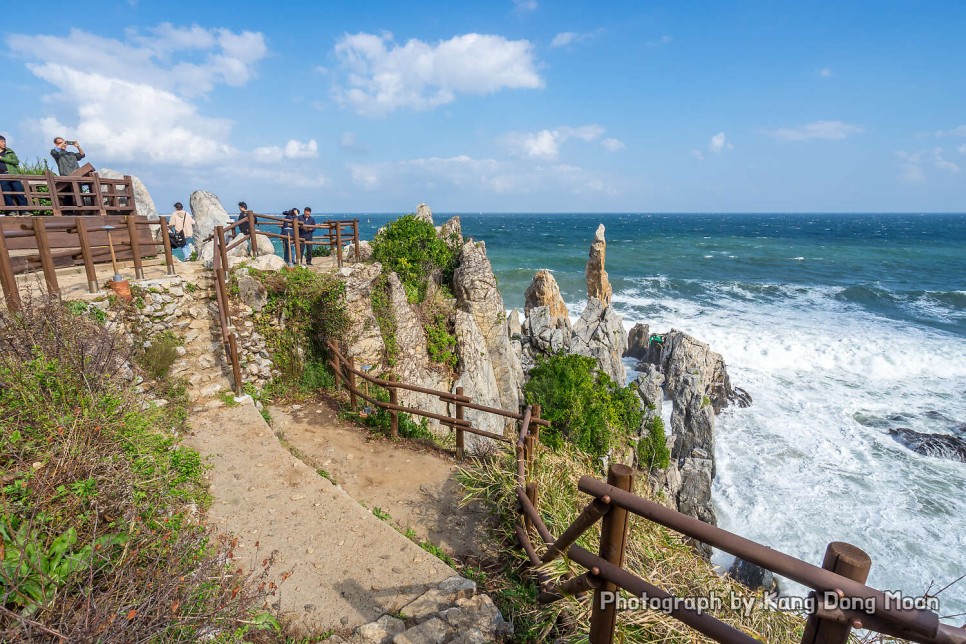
{"x": 306, "y": 235}
{"x": 8, "y": 165}
{"x": 287, "y": 230}
{"x": 243, "y": 217}
{"x": 67, "y": 161}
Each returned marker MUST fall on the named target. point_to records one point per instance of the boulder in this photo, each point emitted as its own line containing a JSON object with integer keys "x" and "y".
{"x": 753, "y": 576}
{"x": 265, "y": 247}
{"x": 451, "y": 232}
{"x": 208, "y": 213}
{"x": 477, "y": 294}
{"x": 599, "y": 333}
{"x": 648, "y": 386}
{"x": 267, "y": 263}
{"x": 365, "y": 344}
{"x": 637, "y": 341}
{"x": 598, "y": 286}
{"x": 142, "y": 198}
{"x": 513, "y": 327}
{"x": 692, "y": 420}
{"x": 544, "y": 333}
{"x": 543, "y": 291}
{"x": 365, "y": 251}
{"x": 694, "y": 496}
{"x": 944, "y": 446}
{"x": 424, "y": 212}
{"x": 681, "y": 355}
{"x": 478, "y": 381}
{"x": 252, "y": 292}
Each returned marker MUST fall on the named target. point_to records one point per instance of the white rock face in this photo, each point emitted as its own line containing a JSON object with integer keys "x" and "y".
{"x": 599, "y": 333}
{"x": 477, "y": 380}
{"x": 477, "y": 294}
{"x": 267, "y": 263}
{"x": 264, "y": 247}
{"x": 142, "y": 198}
{"x": 424, "y": 212}
{"x": 208, "y": 213}
{"x": 366, "y": 345}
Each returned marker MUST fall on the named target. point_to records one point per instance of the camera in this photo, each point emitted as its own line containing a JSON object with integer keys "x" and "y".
{"x": 71, "y": 142}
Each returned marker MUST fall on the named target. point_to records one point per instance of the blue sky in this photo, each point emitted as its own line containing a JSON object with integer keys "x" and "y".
{"x": 504, "y": 106}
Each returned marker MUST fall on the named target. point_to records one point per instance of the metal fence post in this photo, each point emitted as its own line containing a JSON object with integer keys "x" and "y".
{"x": 848, "y": 561}
{"x": 613, "y": 536}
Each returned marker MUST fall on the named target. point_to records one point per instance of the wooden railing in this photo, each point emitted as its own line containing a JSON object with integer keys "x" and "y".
{"x": 229, "y": 336}
{"x": 613, "y": 502}
{"x": 336, "y": 232}
{"x": 62, "y": 241}
{"x": 82, "y": 193}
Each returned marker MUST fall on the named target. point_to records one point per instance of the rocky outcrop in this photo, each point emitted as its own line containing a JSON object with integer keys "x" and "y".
{"x": 265, "y": 247}
{"x": 753, "y": 576}
{"x": 543, "y": 291}
{"x": 142, "y": 198}
{"x": 412, "y": 358}
{"x": 208, "y": 213}
{"x": 478, "y": 381}
{"x": 936, "y": 445}
{"x": 252, "y": 292}
{"x": 637, "y": 341}
{"x": 424, "y": 212}
{"x": 680, "y": 355}
{"x": 598, "y": 286}
{"x": 365, "y": 251}
{"x": 599, "y": 333}
{"x": 477, "y": 294}
{"x": 365, "y": 344}
{"x": 451, "y": 233}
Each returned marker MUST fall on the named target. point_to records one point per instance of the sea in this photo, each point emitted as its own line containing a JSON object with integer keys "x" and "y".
{"x": 840, "y": 326}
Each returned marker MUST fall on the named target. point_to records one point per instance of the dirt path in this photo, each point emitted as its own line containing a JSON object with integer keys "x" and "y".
{"x": 415, "y": 486}
{"x": 347, "y": 567}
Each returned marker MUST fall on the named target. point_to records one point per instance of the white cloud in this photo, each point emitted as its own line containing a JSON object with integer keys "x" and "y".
{"x": 660, "y": 42}
{"x": 545, "y": 144}
{"x": 132, "y": 100}
{"x": 822, "y": 130}
{"x": 349, "y": 143}
{"x": 612, "y": 145}
{"x": 719, "y": 142}
{"x": 292, "y": 150}
{"x": 825, "y": 72}
{"x": 955, "y": 132}
{"x": 487, "y": 175}
{"x": 697, "y": 154}
{"x": 381, "y": 76}
{"x": 962, "y": 148}
{"x": 912, "y": 165}
{"x": 566, "y": 38}
{"x": 525, "y": 5}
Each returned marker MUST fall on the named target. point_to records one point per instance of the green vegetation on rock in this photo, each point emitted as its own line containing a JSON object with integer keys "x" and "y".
{"x": 585, "y": 407}
{"x": 410, "y": 248}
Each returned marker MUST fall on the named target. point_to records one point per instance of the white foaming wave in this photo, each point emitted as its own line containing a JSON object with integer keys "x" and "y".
{"x": 796, "y": 469}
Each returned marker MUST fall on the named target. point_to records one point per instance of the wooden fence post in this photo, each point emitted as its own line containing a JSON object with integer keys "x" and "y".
{"x": 337, "y": 370}
{"x": 613, "y": 536}
{"x": 132, "y": 233}
{"x": 9, "y": 281}
{"x": 252, "y": 239}
{"x": 235, "y": 366}
{"x": 46, "y": 261}
{"x": 355, "y": 238}
{"x": 85, "y": 245}
{"x": 166, "y": 240}
{"x": 352, "y": 384}
{"x": 296, "y": 240}
{"x": 394, "y": 400}
{"x": 533, "y": 493}
{"x": 848, "y": 561}
{"x": 338, "y": 242}
{"x": 459, "y": 430}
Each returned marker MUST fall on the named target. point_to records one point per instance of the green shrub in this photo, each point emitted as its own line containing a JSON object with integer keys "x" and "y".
{"x": 382, "y": 310}
{"x": 584, "y": 406}
{"x": 651, "y": 450}
{"x": 440, "y": 343}
{"x": 157, "y": 358}
{"x": 410, "y": 248}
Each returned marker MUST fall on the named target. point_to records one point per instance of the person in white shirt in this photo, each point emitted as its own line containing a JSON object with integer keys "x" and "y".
{"x": 183, "y": 222}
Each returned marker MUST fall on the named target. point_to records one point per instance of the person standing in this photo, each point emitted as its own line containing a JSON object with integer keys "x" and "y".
{"x": 183, "y": 223}
{"x": 8, "y": 165}
{"x": 306, "y": 233}
{"x": 242, "y": 217}
{"x": 287, "y": 230}
{"x": 67, "y": 161}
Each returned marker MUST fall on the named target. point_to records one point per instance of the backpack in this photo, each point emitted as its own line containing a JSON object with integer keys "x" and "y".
{"x": 177, "y": 239}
